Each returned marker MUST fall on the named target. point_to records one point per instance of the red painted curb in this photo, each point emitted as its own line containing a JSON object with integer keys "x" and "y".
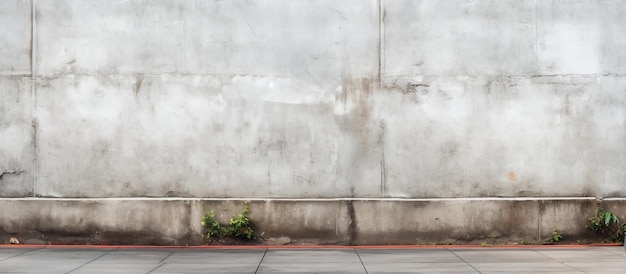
{"x": 569, "y": 246}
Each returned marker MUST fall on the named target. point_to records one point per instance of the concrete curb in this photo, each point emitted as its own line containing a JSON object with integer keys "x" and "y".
{"x": 333, "y": 222}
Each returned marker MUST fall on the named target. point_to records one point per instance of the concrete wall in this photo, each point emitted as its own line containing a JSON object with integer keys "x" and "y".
{"x": 313, "y": 99}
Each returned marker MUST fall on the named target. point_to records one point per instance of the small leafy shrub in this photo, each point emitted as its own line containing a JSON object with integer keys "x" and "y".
{"x": 555, "y": 237}
{"x": 238, "y": 227}
{"x": 212, "y": 227}
{"x": 606, "y": 224}
{"x": 523, "y": 241}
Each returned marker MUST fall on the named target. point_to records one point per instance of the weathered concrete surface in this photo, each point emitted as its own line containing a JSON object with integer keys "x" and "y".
{"x": 461, "y": 37}
{"x": 323, "y": 99}
{"x": 506, "y": 137}
{"x": 219, "y": 107}
{"x": 176, "y": 221}
{"x": 15, "y": 45}
{"x": 314, "y": 41}
{"x": 491, "y": 37}
{"x": 16, "y": 117}
{"x": 16, "y": 137}
{"x": 372, "y": 98}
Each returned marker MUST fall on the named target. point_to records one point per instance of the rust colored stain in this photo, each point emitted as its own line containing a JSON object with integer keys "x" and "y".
{"x": 511, "y": 176}
{"x": 356, "y": 92}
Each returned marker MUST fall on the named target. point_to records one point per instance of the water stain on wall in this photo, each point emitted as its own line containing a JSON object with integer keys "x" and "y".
{"x": 354, "y": 100}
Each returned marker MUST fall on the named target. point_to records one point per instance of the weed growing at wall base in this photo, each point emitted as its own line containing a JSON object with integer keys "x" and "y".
{"x": 238, "y": 226}
{"x": 212, "y": 227}
{"x": 555, "y": 237}
{"x": 606, "y": 224}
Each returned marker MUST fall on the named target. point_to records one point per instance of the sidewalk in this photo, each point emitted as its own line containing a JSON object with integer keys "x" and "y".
{"x": 445, "y": 259}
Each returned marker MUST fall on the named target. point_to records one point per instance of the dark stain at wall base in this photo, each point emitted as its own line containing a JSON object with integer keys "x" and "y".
{"x": 352, "y": 227}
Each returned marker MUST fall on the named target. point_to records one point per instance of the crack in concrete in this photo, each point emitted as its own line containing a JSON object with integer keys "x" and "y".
{"x": 138, "y": 84}
{"x": 11, "y": 172}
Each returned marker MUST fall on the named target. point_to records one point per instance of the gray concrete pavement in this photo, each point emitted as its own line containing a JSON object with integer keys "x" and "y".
{"x": 352, "y": 260}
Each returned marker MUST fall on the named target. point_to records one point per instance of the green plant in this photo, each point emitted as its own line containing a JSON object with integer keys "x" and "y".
{"x": 238, "y": 226}
{"x": 555, "y": 237}
{"x": 523, "y": 241}
{"x": 212, "y": 227}
{"x": 606, "y": 223}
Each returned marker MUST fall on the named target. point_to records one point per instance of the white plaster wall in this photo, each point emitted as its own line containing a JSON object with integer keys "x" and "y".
{"x": 313, "y": 99}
